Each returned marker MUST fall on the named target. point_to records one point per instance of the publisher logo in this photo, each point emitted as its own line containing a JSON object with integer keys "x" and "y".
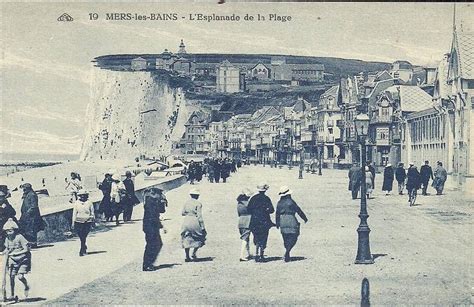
{"x": 65, "y": 17}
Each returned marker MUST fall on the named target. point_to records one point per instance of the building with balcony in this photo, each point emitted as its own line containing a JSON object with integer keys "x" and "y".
{"x": 386, "y": 121}
{"x": 195, "y": 138}
{"x": 327, "y": 113}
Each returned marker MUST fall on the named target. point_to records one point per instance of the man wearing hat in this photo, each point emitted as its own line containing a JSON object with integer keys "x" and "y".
{"x": 413, "y": 178}
{"x": 82, "y": 218}
{"x": 260, "y": 207}
{"x": 426, "y": 174}
{"x": 106, "y": 187}
{"x": 388, "y": 176}
{"x": 30, "y": 221}
{"x": 131, "y": 200}
{"x": 154, "y": 204}
{"x": 286, "y": 220}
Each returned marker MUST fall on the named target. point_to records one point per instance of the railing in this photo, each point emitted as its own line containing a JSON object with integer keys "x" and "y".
{"x": 381, "y": 119}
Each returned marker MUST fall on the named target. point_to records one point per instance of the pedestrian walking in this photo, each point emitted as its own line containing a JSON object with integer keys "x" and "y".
{"x": 105, "y": 206}
{"x": 217, "y": 171}
{"x": 426, "y": 174}
{"x": 388, "y": 176}
{"x": 131, "y": 199}
{"x": 260, "y": 207}
{"x": 154, "y": 204}
{"x": 191, "y": 172}
{"x": 372, "y": 171}
{"x": 244, "y": 224}
{"x": 368, "y": 182}
{"x": 118, "y": 193}
{"x": 193, "y": 231}
{"x": 286, "y": 220}
{"x": 30, "y": 222}
{"x": 355, "y": 178}
{"x": 210, "y": 171}
{"x": 73, "y": 186}
{"x": 413, "y": 179}
{"x": 440, "y": 176}
{"x": 400, "y": 175}
{"x": 18, "y": 258}
{"x": 225, "y": 170}
{"x": 83, "y": 218}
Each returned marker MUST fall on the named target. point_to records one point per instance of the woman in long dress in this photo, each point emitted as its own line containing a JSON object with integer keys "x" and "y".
{"x": 260, "y": 207}
{"x": 368, "y": 182}
{"x": 193, "y": 231}
{"x": 388, "y": 176}
{"x": 244, "y": 223}
{"x": 286, "y": 220}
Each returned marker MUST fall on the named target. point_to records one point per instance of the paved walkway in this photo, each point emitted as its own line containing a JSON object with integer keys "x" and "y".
{"x": 422, "y": 253}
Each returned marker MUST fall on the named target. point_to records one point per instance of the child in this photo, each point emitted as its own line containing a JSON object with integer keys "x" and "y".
{"x": 19, "y": 257}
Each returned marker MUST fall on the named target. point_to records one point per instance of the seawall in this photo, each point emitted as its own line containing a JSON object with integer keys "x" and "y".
{"x": 58, "y": 220}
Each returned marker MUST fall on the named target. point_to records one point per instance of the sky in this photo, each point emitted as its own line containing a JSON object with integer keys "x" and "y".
{"x": 46, "y": 64}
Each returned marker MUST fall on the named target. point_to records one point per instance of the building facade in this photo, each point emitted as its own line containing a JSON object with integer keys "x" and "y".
{"x": 228, "y": 78}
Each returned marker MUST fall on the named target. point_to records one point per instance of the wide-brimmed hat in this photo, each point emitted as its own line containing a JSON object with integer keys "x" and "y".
{"x": 411, "y": 163}
{"x": 246, "y": 192}
{"x": 366, "y": 168}
{"x": 82, "y": 192}
{"x": 194, "y": 192}
{"x": 284, "y": 190}
{"x": 116, "y": 177}
{"x": 262, "y": 187}
{"x": 4, "y": 190}
{"x": 110, "y": 172}
{"x": 388, "y": 165}
{"x": 10, "y": 224}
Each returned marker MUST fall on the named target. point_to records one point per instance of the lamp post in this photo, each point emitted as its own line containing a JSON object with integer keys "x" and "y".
{"x": 363, "y": 245}
{"x": 301, "y": 149}
{"x": 320, "y": 161}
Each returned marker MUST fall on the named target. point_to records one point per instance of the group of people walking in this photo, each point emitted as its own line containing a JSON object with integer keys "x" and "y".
{"x": 118, "y": 197}
{"x": 19, "y": 235}
{"x": 409, "y": 178}
{"x": 214, "y": 168}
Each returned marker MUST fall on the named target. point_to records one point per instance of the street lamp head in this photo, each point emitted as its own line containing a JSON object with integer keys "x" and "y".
{"x": 361, "y": 123}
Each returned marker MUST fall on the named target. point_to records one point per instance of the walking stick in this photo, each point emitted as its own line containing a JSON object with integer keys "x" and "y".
{"x": 4, "y": 278}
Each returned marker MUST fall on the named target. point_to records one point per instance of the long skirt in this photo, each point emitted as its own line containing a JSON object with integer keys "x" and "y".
{"x": 192, "y": 236}
{"x": 289, "y": 240}
{"x": 260, "y": 237}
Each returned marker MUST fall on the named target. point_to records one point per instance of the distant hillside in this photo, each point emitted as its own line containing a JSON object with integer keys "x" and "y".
{"x": 336, "y": 66}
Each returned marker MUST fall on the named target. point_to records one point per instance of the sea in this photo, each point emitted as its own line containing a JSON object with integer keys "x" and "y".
{"x": 21, "y": 157}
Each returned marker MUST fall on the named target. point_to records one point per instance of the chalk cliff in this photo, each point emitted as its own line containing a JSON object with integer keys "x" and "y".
{"x": 132, "y": 114}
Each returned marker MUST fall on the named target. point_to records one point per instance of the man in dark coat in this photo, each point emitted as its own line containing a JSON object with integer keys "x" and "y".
{"x": 225, "y": 170}
{"x": 426, "y": 174}
{"x": 131, "y": 199}
{"x": 217, "y": 171}
{"x": 400, "y": 175}
{"x": 154, "y": 204}
{"x": 30, "y": 222}
{"x": 388, "y": 179}
{"x": 413, "y": 178}
{"x": 260, "y": 207}
{"x": 355, "y": 178}
{"x": 105, "y": 206}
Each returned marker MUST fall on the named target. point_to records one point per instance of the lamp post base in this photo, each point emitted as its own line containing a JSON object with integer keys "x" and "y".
{"x": 363, "y": 245}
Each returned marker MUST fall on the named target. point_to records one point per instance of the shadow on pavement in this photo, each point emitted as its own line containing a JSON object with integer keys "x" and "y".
{"x": 32, "y": 300}
{"x": 167, "y": 265}
{"x": 204, "y": 259}
{"x": 375, "y": 256}
{"x": 96, "y": 252}
{"x": 43, "y": 246}
{"x": 270, "y": 259}
{"x": 297, "y": 258}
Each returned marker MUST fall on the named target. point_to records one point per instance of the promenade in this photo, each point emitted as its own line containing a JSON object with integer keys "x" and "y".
{"x": 422, "y": 254}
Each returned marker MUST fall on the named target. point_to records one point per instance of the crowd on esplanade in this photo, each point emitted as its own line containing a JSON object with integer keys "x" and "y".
{"x": 410, "y": 178}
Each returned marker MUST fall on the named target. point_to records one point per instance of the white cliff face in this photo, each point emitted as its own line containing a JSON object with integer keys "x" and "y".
{"x": 132, "y": 114}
